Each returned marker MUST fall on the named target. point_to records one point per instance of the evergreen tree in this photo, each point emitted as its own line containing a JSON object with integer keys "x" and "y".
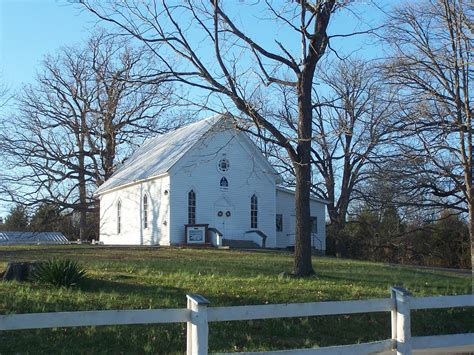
{"x": 451, "y": 237}
{"x": 17, "y": 220}
{"x": 46, "y": 219}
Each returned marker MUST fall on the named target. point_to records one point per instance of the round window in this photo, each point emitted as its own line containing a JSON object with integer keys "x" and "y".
{"x": 223, "y": 165}
{"x": 220, "y": 213}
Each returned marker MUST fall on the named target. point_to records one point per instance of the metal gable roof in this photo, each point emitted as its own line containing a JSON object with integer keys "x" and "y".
{"x": 158, "y": 154}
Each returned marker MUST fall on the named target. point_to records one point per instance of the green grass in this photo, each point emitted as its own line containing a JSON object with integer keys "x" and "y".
{"x": 142, "y": 278}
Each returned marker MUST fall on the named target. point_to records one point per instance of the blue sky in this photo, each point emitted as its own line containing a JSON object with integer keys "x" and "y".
{"x": 30, "y": 29}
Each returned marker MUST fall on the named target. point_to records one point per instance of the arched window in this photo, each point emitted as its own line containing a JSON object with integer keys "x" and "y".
{"x": 119, "y": 217}
{"x": 224, "y": 183}
{"x": 145, "y": 211}
{"x": 253, "y": 212}
{"x": 191, "y": 207}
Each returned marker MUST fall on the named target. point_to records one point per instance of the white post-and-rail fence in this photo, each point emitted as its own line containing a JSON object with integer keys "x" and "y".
{"x": 197, "y": 315}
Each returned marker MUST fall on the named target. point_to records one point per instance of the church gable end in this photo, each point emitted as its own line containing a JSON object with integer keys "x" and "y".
{"x": 208, "y": 177}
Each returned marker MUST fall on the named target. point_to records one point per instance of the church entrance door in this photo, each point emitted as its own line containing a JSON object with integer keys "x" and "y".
{"x": 223, "y": 217}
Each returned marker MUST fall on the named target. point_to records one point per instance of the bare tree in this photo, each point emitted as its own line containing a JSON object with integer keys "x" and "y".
{"x": 65, "y": 138}
{"x": 124, "y": 109}
{"x": 5, "y": 95}
{"x": 353, "y": 125}
{"x": 45, "y": 145}
{"x": 432, "y": 47}
{"x": 215, "y": 55}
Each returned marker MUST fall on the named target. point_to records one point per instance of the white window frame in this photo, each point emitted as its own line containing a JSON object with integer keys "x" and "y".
{"x": 145, "y": 211}
{"x": 119, "y": 217}
{"x": 254, "y": 211}
{"x": 279, "y": 216}
{"x": 192, "y": 207}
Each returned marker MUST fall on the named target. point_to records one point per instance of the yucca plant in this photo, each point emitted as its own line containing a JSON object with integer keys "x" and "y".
{"x": 59, "y": 272}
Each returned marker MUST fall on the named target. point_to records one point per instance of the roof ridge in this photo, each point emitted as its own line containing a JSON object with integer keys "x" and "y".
{"x": 176, "y": 130}
{"x": 163, "y": 149}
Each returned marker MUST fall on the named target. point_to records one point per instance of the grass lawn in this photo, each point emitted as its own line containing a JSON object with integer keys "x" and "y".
{"x": 141, "y": 278}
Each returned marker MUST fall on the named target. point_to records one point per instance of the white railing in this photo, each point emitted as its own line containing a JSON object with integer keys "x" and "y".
{"x": 197, "y": 315}
{"x": 215, "y": 237}
{"x": 256, "y": 236}
{"x": 315, "y": 240}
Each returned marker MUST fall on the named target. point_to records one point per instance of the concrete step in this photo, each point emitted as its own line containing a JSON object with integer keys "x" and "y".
{"x": 240, "y": 244}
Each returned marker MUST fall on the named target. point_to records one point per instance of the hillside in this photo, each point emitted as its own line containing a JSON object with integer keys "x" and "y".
{"x": 134, "y": 278}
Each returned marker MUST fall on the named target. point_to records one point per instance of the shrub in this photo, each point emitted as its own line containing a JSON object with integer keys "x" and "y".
{"x": 59, "y": 272}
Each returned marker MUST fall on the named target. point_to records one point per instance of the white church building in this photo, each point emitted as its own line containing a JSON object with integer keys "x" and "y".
{"x": 206, "y": 182}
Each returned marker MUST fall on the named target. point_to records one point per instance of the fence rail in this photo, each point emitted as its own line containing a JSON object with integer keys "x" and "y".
{"x": 354, "y": 349}
{"x": 442, "y": 341}
{"x": 92, "y": 318}
{"x": 197, "y": 315}
{"x": 441, "y": 302}
{"x": 219, "y": 314}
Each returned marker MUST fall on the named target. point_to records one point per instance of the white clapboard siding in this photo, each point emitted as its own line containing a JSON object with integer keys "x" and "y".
{"x": 92, "y": 318}
{"x": 442, "y": 341}
{"x": 355, "y": 349}
{"x": 442, "y": 302}
{"x": 219, "y": 314}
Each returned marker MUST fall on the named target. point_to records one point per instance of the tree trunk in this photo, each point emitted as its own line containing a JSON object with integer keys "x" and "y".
{"x": 19, "y": 271}
{"x": 337, "y": 219}
{"x": 469, "y": 181}
{"x": 471, "y": 233}
{"x": 339, "y": 247}
{"x": 109, "y": 153}
{"x": 82, "y": 198}
{"x": 302, "y": 263}
{"x": 83, "y": 226}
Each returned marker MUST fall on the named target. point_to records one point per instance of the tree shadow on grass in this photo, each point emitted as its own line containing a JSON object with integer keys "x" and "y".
{"x": 133, "y": 339}
{"x": 127, "y": 288}
{"x": 386, "y": 275}
{"x": 178, "y": 294}
{"x": 92, "y": 294}
{"x": 35, "y": 251}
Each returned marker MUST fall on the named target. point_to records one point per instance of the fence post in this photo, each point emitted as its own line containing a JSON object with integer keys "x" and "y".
{"x": 393, "y": 316}
{"x": 198, "y": 326}
{"x": 401, "y": 321}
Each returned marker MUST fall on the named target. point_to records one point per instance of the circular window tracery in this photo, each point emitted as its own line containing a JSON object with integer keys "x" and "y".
{"x": 223, "y": 165}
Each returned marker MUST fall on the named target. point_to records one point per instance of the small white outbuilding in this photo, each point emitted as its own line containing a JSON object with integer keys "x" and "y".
{"x": 206, "y": 182}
